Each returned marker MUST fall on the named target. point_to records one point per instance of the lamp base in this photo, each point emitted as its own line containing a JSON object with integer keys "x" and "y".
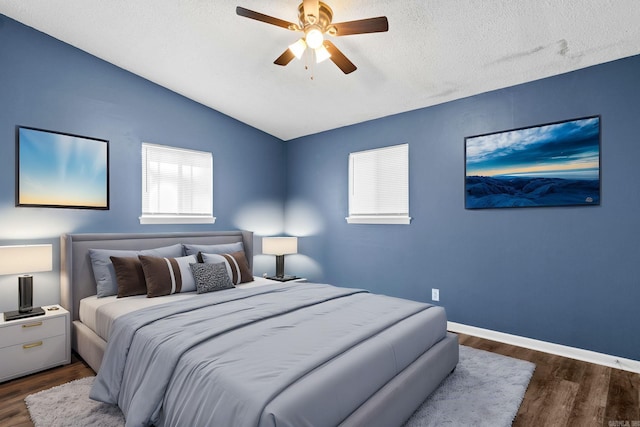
{"x": 25, "y": 293}
{"x": 283, "y": 278}
{"x": 15, "y": 315}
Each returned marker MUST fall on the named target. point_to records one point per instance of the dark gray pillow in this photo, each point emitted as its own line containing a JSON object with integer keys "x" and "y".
{"x": 130, "y": 276}
{"x": 211, "y": 277}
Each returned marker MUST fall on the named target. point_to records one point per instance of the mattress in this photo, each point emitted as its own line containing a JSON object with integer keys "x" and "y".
{"x": 98, "y": 314}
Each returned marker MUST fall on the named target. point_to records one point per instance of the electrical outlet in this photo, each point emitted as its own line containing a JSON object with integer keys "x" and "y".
{"x": 435, "y": 294}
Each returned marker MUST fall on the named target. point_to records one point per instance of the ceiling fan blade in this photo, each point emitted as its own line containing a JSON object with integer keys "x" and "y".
{"x": 285, "y": 58}
{"x": 241, "y": 11}
{"x": 339, "y": 59}
{"x": 311, "y": 8}
{"x": 362, "y": 26}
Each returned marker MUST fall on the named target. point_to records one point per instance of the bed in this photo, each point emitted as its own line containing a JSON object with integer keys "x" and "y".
{"x": 398, "y": 353}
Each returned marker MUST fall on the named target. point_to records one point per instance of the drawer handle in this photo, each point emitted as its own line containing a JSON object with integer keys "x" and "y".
{"x": 31, "y": 325}
{"x": 32, "y": 345}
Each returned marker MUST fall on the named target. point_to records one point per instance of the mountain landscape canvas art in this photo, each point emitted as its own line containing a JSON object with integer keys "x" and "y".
{"x": 556, "y": 164}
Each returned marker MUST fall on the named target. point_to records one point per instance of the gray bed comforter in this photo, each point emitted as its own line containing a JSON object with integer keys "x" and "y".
{"x": 278, "y": 355}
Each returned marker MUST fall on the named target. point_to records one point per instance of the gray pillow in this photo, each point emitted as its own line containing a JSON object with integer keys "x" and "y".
{"x": 105, "y": 274}
{"x": 213, "y": 249}
{"x": 211, "y": 277}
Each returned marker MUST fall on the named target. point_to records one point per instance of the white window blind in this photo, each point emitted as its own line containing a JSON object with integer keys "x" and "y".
{"x": 177, "y": 185}
{"x": 379, "y": 186}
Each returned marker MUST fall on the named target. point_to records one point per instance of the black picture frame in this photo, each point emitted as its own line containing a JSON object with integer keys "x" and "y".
{"x": 552, "y": 164}
{"x": 61, "y": 170}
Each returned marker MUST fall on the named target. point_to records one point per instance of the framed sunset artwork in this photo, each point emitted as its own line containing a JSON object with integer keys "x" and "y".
{"x": 61, "y": 170}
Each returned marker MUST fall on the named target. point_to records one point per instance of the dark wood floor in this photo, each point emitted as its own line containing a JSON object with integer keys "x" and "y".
{"x": 562, "y": 392}
{"x": 568, "y": 392}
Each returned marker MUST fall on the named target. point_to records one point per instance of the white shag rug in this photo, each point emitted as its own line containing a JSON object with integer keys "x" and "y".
{"x": 69, "y": 405}
{"x": 486, "y": 389}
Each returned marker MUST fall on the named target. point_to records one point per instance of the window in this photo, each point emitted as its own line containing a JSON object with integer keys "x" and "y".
{"x": 379, "y": 186}
{"x": 177, "y": 186}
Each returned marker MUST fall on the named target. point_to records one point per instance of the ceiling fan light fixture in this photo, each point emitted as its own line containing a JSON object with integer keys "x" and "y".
{"x": 298, "y": 48}
{"x": 314, "y": 38}
{"x": 315, "y": 20}
{"x": 322, "y": 54}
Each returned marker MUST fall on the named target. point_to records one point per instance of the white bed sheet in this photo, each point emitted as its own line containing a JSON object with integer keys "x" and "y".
{"x": 99, "y": 313}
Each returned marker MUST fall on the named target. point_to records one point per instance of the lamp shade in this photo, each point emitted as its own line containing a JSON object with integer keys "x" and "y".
{"x": 298, "y": 48}
{"x": 279, "y": 245}
{"x": 314, "y": 38}
{"x": 25, "y": 259}
{"x": 322, "y": 54}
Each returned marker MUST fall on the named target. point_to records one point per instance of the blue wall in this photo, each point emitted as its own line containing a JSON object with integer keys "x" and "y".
{"x": 48, "y": 84}
{"x": 566, "y": 275}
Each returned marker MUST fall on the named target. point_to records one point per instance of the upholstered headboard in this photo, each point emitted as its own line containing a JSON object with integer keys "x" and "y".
{"x": 76, "y": 274}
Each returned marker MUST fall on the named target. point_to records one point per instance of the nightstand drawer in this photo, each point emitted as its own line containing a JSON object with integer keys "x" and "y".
{"x": 33, "y": 330}
{"x": 31, "y": 356}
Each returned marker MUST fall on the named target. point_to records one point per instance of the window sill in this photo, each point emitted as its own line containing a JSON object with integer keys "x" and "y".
{"x": 378, "y": 219}
{"x": 176, "y": 219}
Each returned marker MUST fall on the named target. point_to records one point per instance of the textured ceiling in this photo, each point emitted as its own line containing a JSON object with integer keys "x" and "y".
{"x": 435, "y": 51}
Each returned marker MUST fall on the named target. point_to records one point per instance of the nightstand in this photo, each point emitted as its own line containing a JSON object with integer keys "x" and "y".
{"x": 34, "y": 344}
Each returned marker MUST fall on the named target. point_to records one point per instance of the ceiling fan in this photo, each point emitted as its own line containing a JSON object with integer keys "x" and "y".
{"x": 314, "y": 19}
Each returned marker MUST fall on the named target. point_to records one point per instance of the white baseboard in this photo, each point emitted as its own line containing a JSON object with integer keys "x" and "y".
{"x": 547, "y": 347}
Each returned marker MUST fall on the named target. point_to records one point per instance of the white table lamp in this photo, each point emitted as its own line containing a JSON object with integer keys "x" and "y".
{"x": 280, "y": 246}
{"x": 25, "y": 259}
